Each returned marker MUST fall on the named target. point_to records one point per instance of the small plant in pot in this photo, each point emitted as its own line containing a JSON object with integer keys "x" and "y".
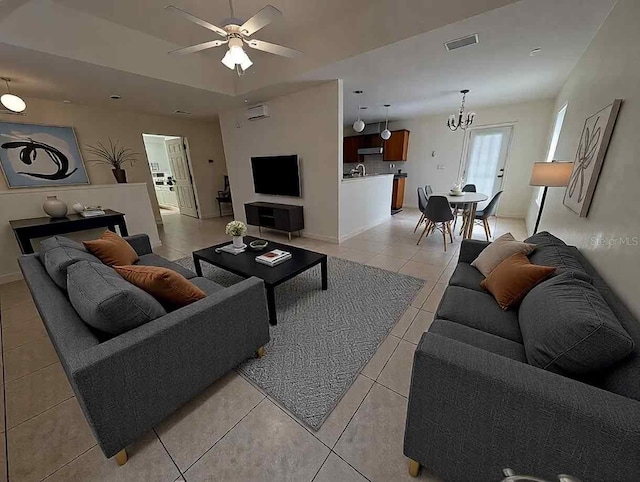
{"x": 116, "y": 156}
{"x": 237, "y": 229}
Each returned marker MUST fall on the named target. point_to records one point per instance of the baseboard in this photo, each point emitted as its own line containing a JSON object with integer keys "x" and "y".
{"x": 366, "y": 228}
{"x": 8, "y": 278}
{"x": 319, "y": 237}
{"x": 157, "y": 244}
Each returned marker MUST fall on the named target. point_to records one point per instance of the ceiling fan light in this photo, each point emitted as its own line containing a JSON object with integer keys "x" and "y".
{"x": 236, "y": 56}
{"x": 386, "y": 134}
{"x": 358, "y": 125}
{"x": 13, "y": 102}
{"x": 246, "y": 63}
{"x": 227, "y": 61}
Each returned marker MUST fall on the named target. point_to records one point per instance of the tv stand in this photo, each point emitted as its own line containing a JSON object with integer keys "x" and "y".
{"x": 281, "y": 217}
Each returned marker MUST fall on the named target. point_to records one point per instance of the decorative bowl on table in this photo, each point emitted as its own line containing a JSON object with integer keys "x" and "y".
{"x": 456, "y": 193}
{"x": 258, "y": 244}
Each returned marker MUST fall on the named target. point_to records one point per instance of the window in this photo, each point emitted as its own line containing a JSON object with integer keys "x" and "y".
{"x": 557, "y": 128}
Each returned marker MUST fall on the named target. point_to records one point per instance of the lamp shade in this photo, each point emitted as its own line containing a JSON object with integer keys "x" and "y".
{"x": 551, "y": 174}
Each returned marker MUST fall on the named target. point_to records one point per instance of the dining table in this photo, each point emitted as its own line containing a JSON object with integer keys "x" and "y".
{"x": 469, "y": 199}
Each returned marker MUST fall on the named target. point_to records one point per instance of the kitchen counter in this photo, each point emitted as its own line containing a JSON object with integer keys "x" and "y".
{"x": 368, "y": 176}
{"x": 365, "y": 202}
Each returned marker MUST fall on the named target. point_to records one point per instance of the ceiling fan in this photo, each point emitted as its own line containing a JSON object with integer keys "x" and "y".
{"x": 236, "y": 33}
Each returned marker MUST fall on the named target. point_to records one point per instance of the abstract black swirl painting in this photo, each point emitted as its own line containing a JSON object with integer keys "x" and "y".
{"x": 592, "y": 150}
{"x": 40, "y": 156}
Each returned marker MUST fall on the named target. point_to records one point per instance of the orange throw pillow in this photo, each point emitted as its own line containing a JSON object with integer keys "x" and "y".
{"x": 512, "y": 279}
{"x": 168, "y": 287}
{"x": 111, "y": 249}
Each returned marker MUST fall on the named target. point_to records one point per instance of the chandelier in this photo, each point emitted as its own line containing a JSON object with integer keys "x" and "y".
{"x": 462, "y": 121}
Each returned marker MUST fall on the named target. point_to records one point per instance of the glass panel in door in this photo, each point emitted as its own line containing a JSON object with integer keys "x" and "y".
{"x": 486, "y": 158}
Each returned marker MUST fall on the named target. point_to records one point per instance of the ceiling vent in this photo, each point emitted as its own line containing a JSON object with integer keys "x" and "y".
{"x": 461, "y": 42}
{"x": 181, "y": 112}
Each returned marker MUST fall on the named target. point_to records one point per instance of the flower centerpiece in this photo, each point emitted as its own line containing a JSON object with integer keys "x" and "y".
{"x": 237, "y": 229}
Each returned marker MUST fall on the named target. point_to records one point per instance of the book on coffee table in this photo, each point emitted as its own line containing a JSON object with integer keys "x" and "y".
{"x": 274, "y": 257}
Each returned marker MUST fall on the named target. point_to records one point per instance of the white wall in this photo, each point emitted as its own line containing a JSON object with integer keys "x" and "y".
{"x": 307, "y": 123}
{"x": 364, "y": 203}
{"x": 428, "y": 134}
{"x": 130, "y": 199}
{"x": 609, "y": 69}
{"x": 157, "y": 152}
{"x": 93, "y": 124}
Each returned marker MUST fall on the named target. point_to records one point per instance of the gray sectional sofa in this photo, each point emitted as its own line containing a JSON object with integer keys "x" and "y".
{"x": 478, "y": 403}
{"x": 127, "y": 383}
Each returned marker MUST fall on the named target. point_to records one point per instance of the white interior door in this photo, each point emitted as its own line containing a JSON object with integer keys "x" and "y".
{"x": 183, "y": 186}
{"x": 487, "y": 153}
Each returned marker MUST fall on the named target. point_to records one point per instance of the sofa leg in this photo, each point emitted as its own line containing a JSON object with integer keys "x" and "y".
{"x": 414, "y": 468}
{"x": 121, "y": 457}
{"x": 260, "y": 352}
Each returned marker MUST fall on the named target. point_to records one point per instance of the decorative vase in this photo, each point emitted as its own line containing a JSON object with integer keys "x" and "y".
{"x": 54, "y": 207}
{"x": 77, "y": 207}
{"x": 120, "y": 175}
{"x": 237, "y": 242}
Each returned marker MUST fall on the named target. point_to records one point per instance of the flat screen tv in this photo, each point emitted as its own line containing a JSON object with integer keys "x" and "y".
{"x": 276, "y": 175}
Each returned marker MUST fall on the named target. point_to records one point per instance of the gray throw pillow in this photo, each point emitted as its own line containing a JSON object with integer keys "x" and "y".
{"x": 545, "y": 238}
{"x": 559, "y": 257}
{"x": 58, "y": 253}
{"x": 568, "y": 328}
{"x": 106, "y": 301}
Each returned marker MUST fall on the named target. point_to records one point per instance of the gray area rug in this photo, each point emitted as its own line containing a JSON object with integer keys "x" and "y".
{"x": 324, "y": 338}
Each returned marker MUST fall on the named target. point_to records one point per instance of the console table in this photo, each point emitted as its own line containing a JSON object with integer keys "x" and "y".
{"x": 282, "y": 217}
{"x": 27, "y": 229}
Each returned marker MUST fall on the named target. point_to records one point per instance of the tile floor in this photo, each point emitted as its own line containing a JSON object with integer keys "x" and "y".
{"x": 233, "y": 430}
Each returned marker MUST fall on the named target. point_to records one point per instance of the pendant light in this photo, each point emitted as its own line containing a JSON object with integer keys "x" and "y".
{"x": 11, "y": 101}
{"x": 461, "y": 121}
{"x": 359, "y": 125}
{"x": 386, "y": 133}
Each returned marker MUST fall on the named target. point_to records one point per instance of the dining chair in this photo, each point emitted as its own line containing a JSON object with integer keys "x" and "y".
{"x": 428, "y": 191}
{"x": 457, "y": 207}
{"x": 483, "y": 215}
{"x": 438, "y": 216}
{"x": 422, "y": 206}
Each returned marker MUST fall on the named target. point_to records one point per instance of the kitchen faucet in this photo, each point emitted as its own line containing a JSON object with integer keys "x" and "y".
{"x": 364, "y": 171}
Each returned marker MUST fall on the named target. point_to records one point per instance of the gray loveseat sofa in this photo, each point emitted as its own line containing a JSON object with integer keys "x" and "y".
{"x": 477, "y": 406}
{"x": 127, "y": 384}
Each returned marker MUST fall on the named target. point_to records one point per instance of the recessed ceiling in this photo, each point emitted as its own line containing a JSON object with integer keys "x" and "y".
{"x": 86, "y": 50}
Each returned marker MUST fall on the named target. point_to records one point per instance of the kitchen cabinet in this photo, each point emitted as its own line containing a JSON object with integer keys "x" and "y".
{"x": 397, "y": 147}
{"x": 350, "y": 149}
{"x": 394, "y": 149}
{"x": 397, "y": 198}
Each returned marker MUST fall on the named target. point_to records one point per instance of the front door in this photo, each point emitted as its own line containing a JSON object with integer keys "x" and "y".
{"x": 183, "y": 186}
{"x": 487, "y": 153}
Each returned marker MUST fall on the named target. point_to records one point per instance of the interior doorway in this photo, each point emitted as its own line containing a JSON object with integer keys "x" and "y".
{"x": 171, "y": 173}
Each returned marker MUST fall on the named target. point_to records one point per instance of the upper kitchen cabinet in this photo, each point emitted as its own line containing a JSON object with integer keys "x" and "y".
{"x": 350, "y": 148}
{"x": 397, "y": 147}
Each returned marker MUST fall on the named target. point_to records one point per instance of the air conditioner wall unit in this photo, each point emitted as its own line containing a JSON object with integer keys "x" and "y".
{"x": 256, "y": 112}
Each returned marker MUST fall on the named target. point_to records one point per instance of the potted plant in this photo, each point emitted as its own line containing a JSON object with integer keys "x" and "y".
{"x": 237, "y": 229}
{"x": 116, "y": 156}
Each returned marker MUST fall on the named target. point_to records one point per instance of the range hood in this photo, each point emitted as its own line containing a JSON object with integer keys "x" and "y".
{"x": 367, "y": 151}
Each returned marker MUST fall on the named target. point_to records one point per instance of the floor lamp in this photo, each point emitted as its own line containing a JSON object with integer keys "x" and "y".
{"x": 549, "y": 174}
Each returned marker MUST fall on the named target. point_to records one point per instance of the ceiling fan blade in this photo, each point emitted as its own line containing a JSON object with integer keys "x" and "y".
{"x": 272, "y": 48}
{"x": 196, "y": 20}
{"x": 261, "y": 19}
{"x": 199, "y": 47}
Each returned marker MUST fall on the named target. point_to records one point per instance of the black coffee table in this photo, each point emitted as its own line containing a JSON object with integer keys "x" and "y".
{"x": 245, "y": 265}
